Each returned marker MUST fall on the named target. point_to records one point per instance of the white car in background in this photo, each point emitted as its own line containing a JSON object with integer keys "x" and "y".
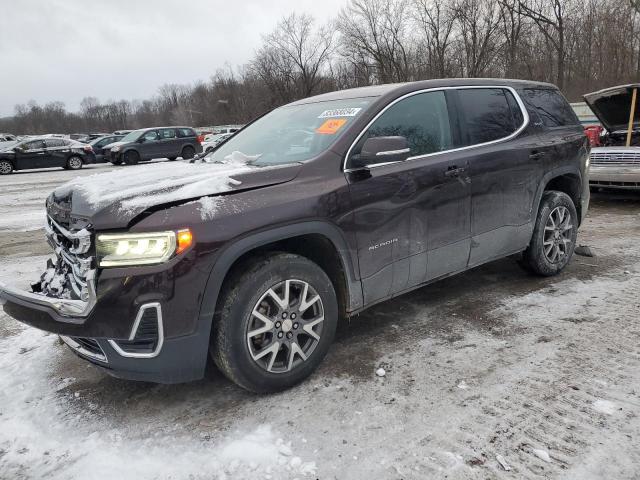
{"x": 616, "y": 164}
{"x": 213, "y": 140}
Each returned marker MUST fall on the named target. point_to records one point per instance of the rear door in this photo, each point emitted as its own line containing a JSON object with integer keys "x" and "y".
{"x": 505, "y": 169}
{"x": 411, "y": 218}
{"x": 57, "y": 152}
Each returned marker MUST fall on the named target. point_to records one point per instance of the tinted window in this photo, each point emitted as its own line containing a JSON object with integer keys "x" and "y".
{"x": 186, "y": 132}
{"x": 54, "y": 142}
{"x": 168, "y": 133}
{"x": 151, "y": 136}
{"x": 422, "y": 119}
{"x": 34, "y": 144}
{"x": 551, "y": 107}
{"x": 487, "y": 114}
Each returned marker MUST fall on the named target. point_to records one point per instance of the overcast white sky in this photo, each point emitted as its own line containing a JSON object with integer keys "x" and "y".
{"x": 118, "y": 49}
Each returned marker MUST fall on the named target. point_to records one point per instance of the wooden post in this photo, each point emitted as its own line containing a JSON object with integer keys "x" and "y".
{"x": 632, "y": 115}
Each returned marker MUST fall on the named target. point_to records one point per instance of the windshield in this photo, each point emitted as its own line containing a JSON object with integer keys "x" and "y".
{"x": 292, "y": 133}
{"x": 132, "y": 136}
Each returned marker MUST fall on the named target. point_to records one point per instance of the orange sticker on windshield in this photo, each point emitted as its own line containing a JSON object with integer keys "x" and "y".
{"x": 331, "y": 126}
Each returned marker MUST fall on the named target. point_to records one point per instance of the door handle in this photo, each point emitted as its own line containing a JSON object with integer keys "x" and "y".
{"x": 453, "y": 171}
{"x": 536, "y": 155}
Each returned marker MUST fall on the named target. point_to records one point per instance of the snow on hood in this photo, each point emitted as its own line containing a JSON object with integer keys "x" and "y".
{"x": 120, "y": 195}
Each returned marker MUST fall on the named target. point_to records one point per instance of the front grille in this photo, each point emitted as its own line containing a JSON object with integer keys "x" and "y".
{"x": 87, "y": 347}
{"x": 617, "y": 159}
{"x": 89, "y": 344}
{"x": 67, "y": 278}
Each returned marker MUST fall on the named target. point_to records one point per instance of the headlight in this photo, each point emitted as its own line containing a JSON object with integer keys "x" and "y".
{"x": 115, "y": 149}
{"x": 118, "y": 250}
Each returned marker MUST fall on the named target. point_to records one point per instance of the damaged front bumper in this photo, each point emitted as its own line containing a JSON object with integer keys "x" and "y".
{"x": 61, "y": 309}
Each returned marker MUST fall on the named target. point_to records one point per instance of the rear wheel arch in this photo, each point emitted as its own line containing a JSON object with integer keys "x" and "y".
{"x": 566, "y": 180}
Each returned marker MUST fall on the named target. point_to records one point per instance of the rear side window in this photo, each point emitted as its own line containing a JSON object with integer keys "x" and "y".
{"x": 186, "y": 132}
{"x": 54, "y": 142}
{"x": 551, "y": 107}
{"x": 488, "y": 115}
{"x": 151, "y": 136}
{"x": 422, "y": 119}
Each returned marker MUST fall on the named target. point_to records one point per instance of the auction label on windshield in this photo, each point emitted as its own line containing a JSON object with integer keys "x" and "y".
{"x": 331, "y": 126}
{"x": 340, "y": 112}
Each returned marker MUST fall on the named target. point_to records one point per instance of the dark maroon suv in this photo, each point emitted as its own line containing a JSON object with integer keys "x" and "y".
{"x": 310, "y": 214}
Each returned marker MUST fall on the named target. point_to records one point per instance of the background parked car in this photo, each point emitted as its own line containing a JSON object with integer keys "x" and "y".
{"x": 45, "y": 153}
{"x": 99, "y": 143}
{"x": 7, "y": 137}
{"x": 213, "y": 141}
{"x": 122, "y": 132}
{"x": 616, "y": 164}
{"x": 150, "y": 143}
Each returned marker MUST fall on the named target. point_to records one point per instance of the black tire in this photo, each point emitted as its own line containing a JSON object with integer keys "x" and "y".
{"x": 188, "y": 152}
{"x": 131, "y": 157}
{"x": 208, "y": 150}
{"x": 231, "y": 348}
{"x": 6, "y": 167}
{"x": 117, "y": 161}
{"x": 551, "y": 249}
{"x": 74, "y": 163}
{"x": 171, "y": 159}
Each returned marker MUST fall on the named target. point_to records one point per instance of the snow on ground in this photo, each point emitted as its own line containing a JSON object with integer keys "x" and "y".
{"x": 491, "y": 374}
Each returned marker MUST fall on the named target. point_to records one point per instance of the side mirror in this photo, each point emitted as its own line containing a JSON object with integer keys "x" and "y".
{"x": 381, "y": 150}
{"x": 140, "y": 140}
{"x": 17, "y": 149}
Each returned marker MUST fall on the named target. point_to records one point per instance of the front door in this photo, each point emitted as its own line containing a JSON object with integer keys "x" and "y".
{"x": 151, "y": 146}
{"x": 32, "y": 155}
{"x": 411, "y": 217}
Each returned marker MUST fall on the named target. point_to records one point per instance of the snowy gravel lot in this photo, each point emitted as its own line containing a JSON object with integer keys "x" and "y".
{"x": 490, "y": 374}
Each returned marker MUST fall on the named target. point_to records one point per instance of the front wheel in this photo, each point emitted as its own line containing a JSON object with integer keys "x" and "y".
{"x": 74, "y": 163}
{"x": 6, "y": 167}
{"x": 131, "y": 157}
{"x": 554, "y": 235}
{"x": 275, "y": 323}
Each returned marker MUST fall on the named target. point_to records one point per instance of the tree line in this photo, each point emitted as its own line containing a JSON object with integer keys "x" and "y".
{"x": 580, "y": 45}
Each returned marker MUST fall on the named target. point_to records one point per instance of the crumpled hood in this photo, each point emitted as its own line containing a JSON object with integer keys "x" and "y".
{"x": 112, "y": 200}
{"x": 613, "y": 105}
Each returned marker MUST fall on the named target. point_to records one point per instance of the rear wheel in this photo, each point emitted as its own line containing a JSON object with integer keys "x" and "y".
{"x": 6, "y": 167}
{"x": 554, "y": 235}
{"x": 276, "y": 321}
{"x": 131, "y": 157}
{"x": 188, "y": 152}
{"x": 74, "y": 163}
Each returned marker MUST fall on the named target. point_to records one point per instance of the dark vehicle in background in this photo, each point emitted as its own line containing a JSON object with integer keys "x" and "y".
{"x": 616, "y": 163}
{"x": 312, "y": 213}
{"x": 99, "y": 143}
{"x": 45, "y": 153}
{"x": 158, "y": 142}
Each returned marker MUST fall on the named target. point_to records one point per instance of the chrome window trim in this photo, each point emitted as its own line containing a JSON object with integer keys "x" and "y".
{"x": 134, "y": 330}
{"x": 519, "y": 101}
{"x": 83, "y": 351}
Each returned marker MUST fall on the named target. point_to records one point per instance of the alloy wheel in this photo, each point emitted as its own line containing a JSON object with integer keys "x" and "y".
{"x": 558, "y": 235}
{"x": 285, "y": 326}
{"x": 5, "y": 168}
{"x": 75, "y": 163}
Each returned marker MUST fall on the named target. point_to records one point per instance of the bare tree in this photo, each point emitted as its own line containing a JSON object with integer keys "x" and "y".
{"x": 376, "y": 33}
{"x": 479, "y": 23}
{"x": 550, "y": 17}
{"x": 437, "y": 20}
